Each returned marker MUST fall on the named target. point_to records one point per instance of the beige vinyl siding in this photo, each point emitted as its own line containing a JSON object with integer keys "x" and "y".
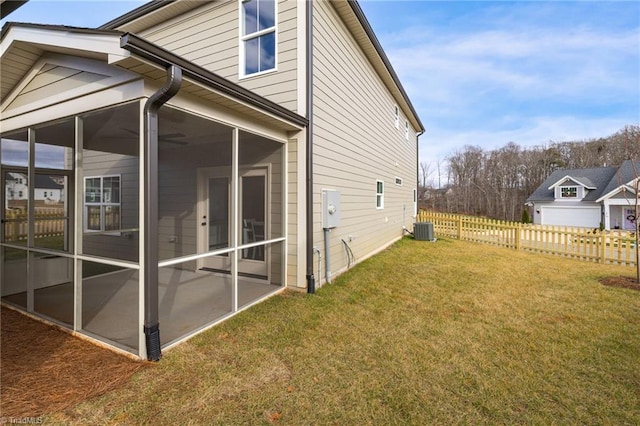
{"x": 292, "y": 225}
{"x": 356, "y": 143}
{"x": 208, "y": 36}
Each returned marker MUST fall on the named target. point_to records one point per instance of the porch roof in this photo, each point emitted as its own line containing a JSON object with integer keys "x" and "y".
{"x": 22, "y": 45}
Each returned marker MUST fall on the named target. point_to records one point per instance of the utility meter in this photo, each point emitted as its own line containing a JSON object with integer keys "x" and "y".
{"x": 330, "y": 208}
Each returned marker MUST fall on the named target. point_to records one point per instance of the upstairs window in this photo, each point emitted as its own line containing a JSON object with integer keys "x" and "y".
{"x": 379, "y": 194}
{"x": 569, "y": 192}
{"x": 396, "y": 116}
{"x": 406, "y": 130}
{"x": 258, "y": 36}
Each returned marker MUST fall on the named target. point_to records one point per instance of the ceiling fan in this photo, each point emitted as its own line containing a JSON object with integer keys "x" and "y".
{"x": 168, "y": 138}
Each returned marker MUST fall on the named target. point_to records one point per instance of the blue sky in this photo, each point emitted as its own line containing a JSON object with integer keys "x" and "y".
{"x": 484, "y": 73}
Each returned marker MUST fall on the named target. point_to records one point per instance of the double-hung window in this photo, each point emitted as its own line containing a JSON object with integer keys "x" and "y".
{"x": 569, "y": 192}
{"x": 102, "y": 203}
{"x": 379, "y": 194}
{"x": 258, "y": 36}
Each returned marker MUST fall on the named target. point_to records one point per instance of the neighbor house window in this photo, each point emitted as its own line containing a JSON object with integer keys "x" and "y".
{"x": 406, "y": 130}
{"x": 399, "y": 181}
{"x": 102, "y": 203}
{"x": 379, "y": 194}
{"x": 258, "y": 36}
{"x": 569, "y": 192}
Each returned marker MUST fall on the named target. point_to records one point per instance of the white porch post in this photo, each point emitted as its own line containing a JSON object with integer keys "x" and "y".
{"x": 607, "y": 220}
{"x": 31, "y": 218}
{"x": 235, "y": 218}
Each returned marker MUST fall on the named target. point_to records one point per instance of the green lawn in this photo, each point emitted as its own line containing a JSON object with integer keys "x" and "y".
{"x": 424, "y": 333}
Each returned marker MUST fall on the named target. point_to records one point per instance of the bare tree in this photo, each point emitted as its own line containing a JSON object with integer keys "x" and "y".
{"x": 496, "y": 183}
{"x": 423, "y": 180}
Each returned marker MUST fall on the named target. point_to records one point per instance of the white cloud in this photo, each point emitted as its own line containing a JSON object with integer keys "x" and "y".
{"x": 517, "y": 81}
{"x": 522, "y": 64}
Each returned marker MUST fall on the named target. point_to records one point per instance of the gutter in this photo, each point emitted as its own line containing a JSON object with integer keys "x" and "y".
{"x": 157, "y": 55}
{"x": 150, "y": 264}
{"x": 311, "y": 282}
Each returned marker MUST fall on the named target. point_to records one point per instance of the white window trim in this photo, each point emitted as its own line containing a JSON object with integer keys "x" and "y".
{"x": 379, "y": 195}
{"x": 579, "y": 193}
{"x": 85, "y": 221}
{"x": 415, "y": 202}
{"x": 242, "y": 38}
{"x": 406, "y": 129}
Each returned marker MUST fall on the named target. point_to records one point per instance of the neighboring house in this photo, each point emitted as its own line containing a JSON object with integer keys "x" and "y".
{"x": 222, "y": 151}
{"x": 588, "y": 197}
{"x": 46, "y": 189}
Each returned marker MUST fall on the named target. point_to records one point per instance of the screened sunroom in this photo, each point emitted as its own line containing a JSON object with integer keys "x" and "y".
{"x": 104, "y": 209}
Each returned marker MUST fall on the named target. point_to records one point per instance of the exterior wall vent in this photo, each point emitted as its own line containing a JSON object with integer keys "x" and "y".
{"x": 423, "y": 231}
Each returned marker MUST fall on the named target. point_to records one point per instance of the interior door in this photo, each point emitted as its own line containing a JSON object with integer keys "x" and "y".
{"x": 253, "y": 221}
{"x": 214, "y": 221}
{"x": 215, "y": 226}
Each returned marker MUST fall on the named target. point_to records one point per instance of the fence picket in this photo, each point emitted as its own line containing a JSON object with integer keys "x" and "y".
{"x": 607, "y": 247}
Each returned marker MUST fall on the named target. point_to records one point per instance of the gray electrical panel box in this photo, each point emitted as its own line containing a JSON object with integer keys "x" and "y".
{"x": 330, "y": 208}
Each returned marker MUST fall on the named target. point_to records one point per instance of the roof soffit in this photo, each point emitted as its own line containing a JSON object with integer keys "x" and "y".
{"x": 151, "y": 14}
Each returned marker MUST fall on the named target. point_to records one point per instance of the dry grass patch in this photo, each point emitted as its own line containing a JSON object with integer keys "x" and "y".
{"x": 443, "y": 333}
{"x": 44, "y": 370}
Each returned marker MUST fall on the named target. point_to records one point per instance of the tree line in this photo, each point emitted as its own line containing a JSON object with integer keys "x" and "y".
{"x": 496, "y": 183}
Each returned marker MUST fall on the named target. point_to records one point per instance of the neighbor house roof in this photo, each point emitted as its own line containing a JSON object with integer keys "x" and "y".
{"x": 627, "y": 172}
{"x": 582, "y": 180}
{"x": 599, "y": 177}
{"x": 605, "y": 181}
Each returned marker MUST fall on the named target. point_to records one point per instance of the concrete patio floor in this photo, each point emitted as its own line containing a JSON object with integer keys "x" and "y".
{"x": 188, "y": 301}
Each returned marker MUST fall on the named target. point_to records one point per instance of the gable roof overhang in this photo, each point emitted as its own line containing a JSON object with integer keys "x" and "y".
{"x": 580, "y": 181}
{"x": 22, "y": 46}
{"x": 156, "y": 12}
{"x": 629, "y": 187}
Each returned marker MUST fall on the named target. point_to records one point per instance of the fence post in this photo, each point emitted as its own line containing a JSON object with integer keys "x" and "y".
{"x": 460, "y": 228}
{"x": 517, "y": 236}
{"x": 603, "y": 246}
